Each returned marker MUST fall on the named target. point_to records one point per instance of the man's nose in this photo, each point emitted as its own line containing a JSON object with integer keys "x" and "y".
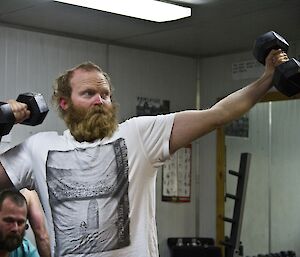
{"x": 14, "y": 226}
{"x": 98, "y": 100}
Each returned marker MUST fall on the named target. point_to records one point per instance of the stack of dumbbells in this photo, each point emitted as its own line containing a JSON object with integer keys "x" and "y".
{"x": 289, "y": 253}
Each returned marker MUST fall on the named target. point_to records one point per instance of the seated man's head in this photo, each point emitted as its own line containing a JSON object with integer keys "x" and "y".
{"x": 83, "y": 98}
{"x": 13, "y": 217}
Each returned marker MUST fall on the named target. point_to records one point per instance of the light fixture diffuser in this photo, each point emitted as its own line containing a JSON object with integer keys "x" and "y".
{"x": 143, "y": 9}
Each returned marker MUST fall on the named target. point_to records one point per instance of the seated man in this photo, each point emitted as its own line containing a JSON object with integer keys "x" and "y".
{"x": 13, "y": 217}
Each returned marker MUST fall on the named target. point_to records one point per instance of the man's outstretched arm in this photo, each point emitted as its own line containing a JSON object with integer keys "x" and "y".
{"x": 190, "y": 125}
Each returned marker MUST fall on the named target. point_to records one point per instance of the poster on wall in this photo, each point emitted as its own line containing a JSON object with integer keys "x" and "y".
{"x": 238, "y": 127}
{"x": 150, "y": 106}
{"x": 176, "y": 180}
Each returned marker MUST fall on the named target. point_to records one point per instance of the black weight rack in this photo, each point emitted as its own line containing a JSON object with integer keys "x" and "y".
{"x": 232, "y": 244}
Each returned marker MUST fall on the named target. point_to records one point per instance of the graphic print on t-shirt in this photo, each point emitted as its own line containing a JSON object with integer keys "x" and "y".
{"x": 88, "y": 192}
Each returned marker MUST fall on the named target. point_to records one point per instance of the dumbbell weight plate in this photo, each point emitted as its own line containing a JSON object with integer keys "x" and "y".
{"x": 37, "y": 107}
{"x": 287, "y": 77}
{"x": 266, "y": 42}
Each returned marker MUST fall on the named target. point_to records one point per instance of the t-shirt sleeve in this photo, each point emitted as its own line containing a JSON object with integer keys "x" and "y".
{"x": 29, "y": 249}
{"x": 18, "y": 165}
{"x": 155, "y": 132}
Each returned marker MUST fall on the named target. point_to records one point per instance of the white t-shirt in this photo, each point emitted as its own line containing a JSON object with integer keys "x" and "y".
{"x": 100, "y": 196}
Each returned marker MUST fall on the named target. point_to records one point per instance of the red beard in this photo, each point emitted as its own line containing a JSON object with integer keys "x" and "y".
{"x": 92, "y": 124}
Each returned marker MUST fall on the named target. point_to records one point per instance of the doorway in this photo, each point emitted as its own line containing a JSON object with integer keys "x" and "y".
{"x": 272, "y": 204}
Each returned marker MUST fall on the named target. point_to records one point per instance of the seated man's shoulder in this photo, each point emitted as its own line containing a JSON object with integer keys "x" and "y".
{"x": 27, "y": 249}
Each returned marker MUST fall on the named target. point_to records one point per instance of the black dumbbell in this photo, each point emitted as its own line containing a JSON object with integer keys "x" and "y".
{"x": 36, "y": 105}
{"x": 287, "y": 75}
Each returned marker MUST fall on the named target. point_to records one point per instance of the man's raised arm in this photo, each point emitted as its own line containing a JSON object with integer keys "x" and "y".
{"x": 21, "y": 113}
{"x": 190, "y": 125}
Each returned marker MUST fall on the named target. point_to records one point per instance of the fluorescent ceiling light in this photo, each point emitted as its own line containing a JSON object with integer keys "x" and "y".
{"x": 144, "y": 9}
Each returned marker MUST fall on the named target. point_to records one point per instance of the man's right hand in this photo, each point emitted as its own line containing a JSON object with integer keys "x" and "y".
{"x": 275, "y": 58}
{"x": 19, "y": 110}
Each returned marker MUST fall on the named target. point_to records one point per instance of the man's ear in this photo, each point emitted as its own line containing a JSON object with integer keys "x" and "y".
{"x": 63, "y": 103}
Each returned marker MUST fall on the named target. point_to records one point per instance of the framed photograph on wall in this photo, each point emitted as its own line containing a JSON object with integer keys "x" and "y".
{"x": 150, "y": 106}
{"x": 238, "y": 127}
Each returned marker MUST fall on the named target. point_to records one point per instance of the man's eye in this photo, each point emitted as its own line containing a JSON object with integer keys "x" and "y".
{"x": 21, "y": 223}
{"x": 88, "y": 93}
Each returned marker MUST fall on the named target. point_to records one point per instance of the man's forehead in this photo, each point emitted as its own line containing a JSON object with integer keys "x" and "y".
{"x": 83, "y": 76}
{"x": 9, "y": 207}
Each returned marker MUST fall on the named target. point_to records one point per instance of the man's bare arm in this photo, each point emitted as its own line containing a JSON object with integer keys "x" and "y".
{"x": 37, "y": 222}
{"x": 190, "y": 125}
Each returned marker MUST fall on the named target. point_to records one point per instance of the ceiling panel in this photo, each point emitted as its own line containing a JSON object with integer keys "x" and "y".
{"x": 216, "y": 26}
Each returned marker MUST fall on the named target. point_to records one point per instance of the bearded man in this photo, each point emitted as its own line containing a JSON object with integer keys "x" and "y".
{"x": 97, "y": 181}
{"x": 13, "y": 217}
